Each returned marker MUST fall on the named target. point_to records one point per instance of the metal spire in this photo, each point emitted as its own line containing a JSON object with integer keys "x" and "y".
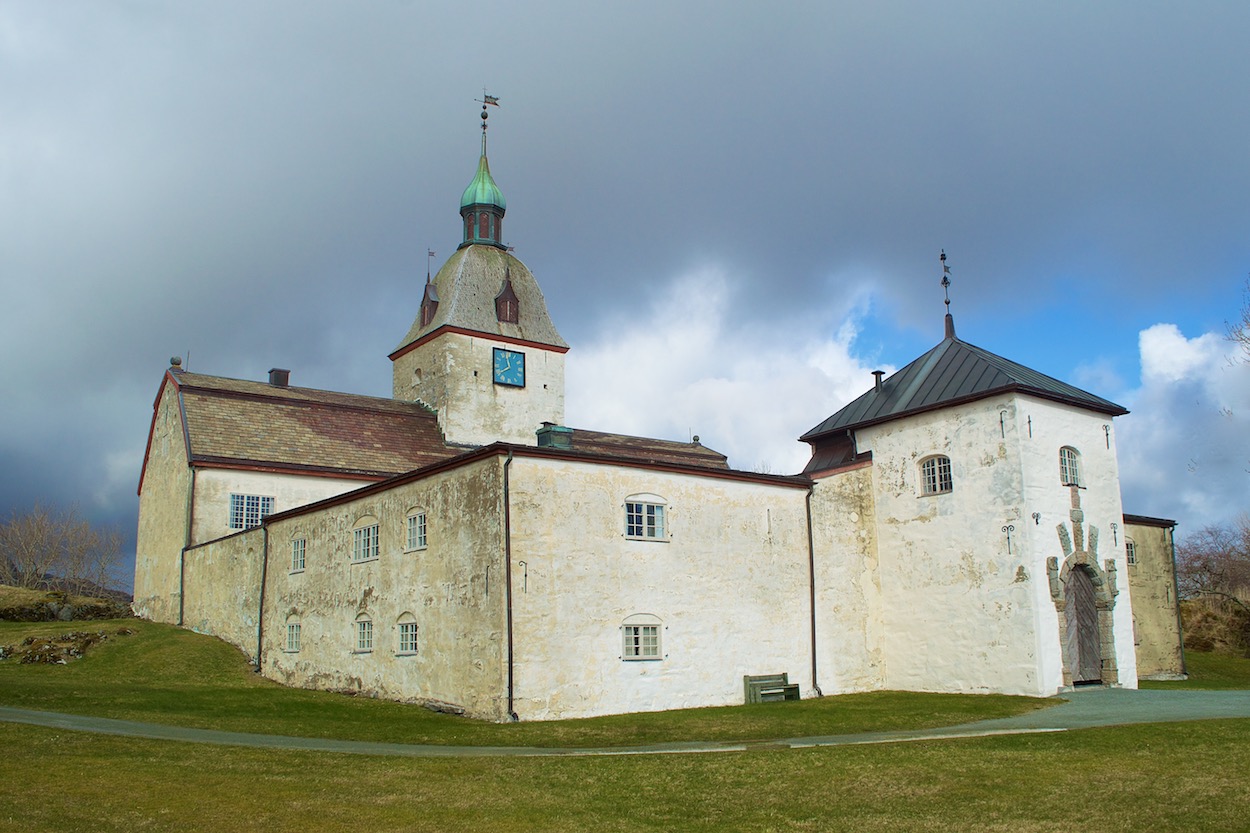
{"x": 946, "y": 290}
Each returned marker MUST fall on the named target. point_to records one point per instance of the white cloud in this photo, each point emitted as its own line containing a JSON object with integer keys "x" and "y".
{"x": 680, "y": 370}
{"x": 1184, "y": 452}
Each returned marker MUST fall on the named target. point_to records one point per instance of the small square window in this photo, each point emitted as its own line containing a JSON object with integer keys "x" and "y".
{"x": 416, "y": 531}
{"x": 292, "y": 637}
{"x": 644, "y": 520}
{"x": 642, "y": 642}
{"x": 297, "y": 555}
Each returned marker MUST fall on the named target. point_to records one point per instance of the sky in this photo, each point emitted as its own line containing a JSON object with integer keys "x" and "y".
{"x": 735, "y": 211}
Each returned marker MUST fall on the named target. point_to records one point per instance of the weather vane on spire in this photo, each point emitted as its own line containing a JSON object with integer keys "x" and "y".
{"x": 492, "y": 100}
{"x": 946, "y": 281}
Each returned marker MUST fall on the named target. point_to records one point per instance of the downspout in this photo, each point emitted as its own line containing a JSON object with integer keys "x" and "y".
{"x": 811, "y": 583}
{"x": 260, "y": 611}
{"x": 507, "y": 567}
{"x": 1176, "y": 596}
{"x": 186, "y": 543}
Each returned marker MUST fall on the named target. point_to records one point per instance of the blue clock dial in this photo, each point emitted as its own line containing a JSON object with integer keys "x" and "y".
{"x": 509, "y": 368}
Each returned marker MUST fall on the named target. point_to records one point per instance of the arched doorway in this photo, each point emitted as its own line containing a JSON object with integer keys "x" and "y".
{"x": 1083, "y": 638}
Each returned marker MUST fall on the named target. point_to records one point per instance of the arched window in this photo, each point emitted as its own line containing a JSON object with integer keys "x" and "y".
{"x": 935, "y": 475}
{"x": 645, "y": 517}
{"x": 640, "y": 636}
{"x": 364, "y": 634}
{"x": 407, "y": 634}
{"x": 292, "y": 635}
{"x": 366, "y": 544}
{"x": 1069, "y": 466}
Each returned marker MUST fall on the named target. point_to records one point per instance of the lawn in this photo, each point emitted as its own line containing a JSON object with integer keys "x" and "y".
{"x": 1207, "y": 671}
{"x": 163, "y": 674}
{"x": 1175, "y": 777}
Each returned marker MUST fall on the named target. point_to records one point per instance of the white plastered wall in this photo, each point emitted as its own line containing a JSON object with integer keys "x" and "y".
{"x": 213, "y": 487}
{"x": 729, "y": 585}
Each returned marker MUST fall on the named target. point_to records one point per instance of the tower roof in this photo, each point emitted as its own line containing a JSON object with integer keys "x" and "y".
{"x": 953, "y": 372}
{"x": 482, "y": 189}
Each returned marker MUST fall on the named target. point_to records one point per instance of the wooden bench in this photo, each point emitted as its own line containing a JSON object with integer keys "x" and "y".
{"x": 768, "y": 688}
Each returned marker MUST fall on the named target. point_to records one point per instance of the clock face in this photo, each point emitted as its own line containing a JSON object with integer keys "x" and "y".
{"x": 509, "y": 368}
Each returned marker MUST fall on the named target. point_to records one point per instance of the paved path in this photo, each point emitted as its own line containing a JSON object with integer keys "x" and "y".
{"x": 1085, "y": 708}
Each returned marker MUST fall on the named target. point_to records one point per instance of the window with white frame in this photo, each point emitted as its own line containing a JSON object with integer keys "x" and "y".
{"x": 644, "y": 517}
{"x": 640, "y": 635}
{"x": 1069, "y": 466}
{"x": 292, "y": 637}
{"x": 416, "y": 539}
{"x": 1130, "y": 553}
{"x": 935, "y": 475}
{"x": 297, "y": 555}
{"x": 247, "y": 511}
{"x": 366, "y": 544}
{"x": 407, "y": 634}
{"x": 364, "y": 634}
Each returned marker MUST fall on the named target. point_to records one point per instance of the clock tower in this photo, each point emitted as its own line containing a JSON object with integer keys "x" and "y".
{"x": 483, "y": 350}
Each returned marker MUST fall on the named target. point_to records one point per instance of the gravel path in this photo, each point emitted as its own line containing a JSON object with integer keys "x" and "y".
{"x": 1084, "y": 709}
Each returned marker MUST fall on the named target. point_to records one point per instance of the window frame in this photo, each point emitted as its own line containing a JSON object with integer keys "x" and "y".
{"x": 642, "y": 638}
{"x": 409, "y": 637}
{"x": 364, "y": 635}
{"x": 244, "y": 508}
{"x": 417, "y": 522}
{"x": 299, "y": 551}
{"x": 935, "y": 476}
{"x": 646, "y": 518}
{"x": 293, "y": 634}
{"x": 366, "y": 540}
{"x": 1070, "y": 466}
{"x": 1130, "y": 552}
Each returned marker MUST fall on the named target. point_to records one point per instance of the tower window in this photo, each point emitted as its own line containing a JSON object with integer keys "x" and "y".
{"x": 507, "y": 305}
{"x": 935, "y": 475}
{"x": 1069, "y": 466}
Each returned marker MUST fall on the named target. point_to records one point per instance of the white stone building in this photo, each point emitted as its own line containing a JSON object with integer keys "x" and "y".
{"x": 458, "y": 544}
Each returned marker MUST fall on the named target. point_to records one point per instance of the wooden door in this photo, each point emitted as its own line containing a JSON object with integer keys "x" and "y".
{"x": 1084, "y": 641}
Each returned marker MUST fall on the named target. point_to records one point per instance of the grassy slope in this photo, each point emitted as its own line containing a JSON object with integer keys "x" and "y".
{"x": 1207, "y": 671}
{"x": 1179, "y": 777}
{"x": 166, "y": 675}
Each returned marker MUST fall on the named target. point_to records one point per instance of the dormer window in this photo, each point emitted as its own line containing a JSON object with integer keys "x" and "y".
{"x": 507, "y": 306}
{"x": 429, "y": 304}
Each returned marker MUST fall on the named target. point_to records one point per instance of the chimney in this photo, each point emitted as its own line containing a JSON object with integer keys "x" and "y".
{"x": 555, "y": 436}
{"x": 279, "y": 377}
{"x": 877, "y": 374}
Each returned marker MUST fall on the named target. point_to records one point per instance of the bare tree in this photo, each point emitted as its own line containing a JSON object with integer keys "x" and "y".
{"x": 1214, "y": 563}
{"x": 54, "y": 548}
{"x": 1240, "y": 332}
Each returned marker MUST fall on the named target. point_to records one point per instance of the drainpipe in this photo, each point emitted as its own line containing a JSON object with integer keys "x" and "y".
{"x": 507, "y": 567}
{"x": 1176, "y": 597}
{"x": 260, "y": 610}
{"x": 186, "y": 542}
{"x": 811, "y": 583}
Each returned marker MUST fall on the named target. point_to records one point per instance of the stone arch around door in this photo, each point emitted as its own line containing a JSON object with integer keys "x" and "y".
{"x": 1084, "y": 595}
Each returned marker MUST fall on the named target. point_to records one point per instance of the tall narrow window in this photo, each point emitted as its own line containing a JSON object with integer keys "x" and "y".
{"x": 935, "y": 475}
{"x": 644, "y": 517}
{"x": 247, "y": 511}
{"x": 364, "y": 635}
{"x": 416, "y": 539}
{"x": 1069, "y": 466}
{"x": 297, "y": 555}
{"x": 407, "y": 634}
{"x": 292, "y": 637}
{"x": 1130, "y": 553}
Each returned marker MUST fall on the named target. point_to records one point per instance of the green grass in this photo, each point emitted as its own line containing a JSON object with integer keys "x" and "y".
{"x": 163, "y": 674}
{"x": 1210, "y": 671}
{"x": 1175, "y": 777}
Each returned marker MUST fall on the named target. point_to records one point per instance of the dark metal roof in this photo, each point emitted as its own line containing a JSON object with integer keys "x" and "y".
{"x": 952, "y": 372}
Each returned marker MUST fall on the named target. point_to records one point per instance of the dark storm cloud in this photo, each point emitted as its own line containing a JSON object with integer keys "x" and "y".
{"x": 258, "y": 184}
